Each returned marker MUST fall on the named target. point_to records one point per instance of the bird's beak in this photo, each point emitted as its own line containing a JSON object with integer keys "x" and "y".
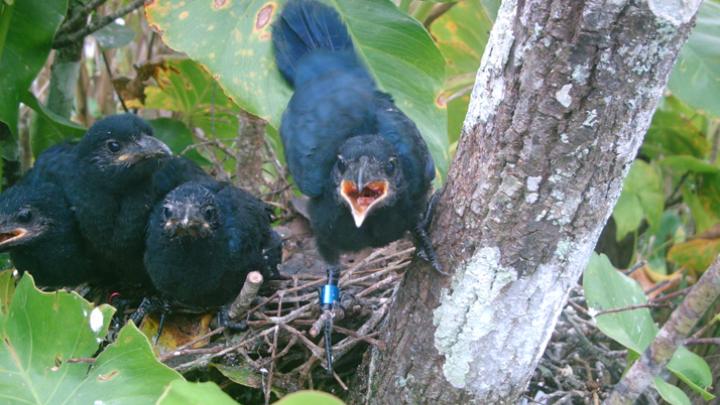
{"x": 146, "y": 147}
{"x": 189, "y": 225}
{"x": 362, "y": 201}
{"x": 11, "y": 236}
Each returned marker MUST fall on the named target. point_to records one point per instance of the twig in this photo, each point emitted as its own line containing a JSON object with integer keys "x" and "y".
{"x": 630, "y": 308}
{"x": 672, "y": 334}
{"x": 249, "y": 291}
{"x": 64, "y": 40}
{"x": 109, "y": 72}
{"x": 702, "y": 341}
{"x": 273, "y": 357}
{"x": 81, "y": 14}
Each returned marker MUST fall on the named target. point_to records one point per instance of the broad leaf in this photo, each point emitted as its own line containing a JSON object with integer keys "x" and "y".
{"x": 186, "y": 87}
{"x": 642, "y": 198}
{"x": 310, "y": 398}
{"x": 607, "y": 288}
{"x": 7, "y": 289}
{"x": 232, "y": 39}
{"x": 695, "y": 255}
{"x": 672, "y": 394}
{"x": 693, "y": 370}
{"x": 702, "y": 195}
{"x": 181, "y": 392}
{"x": 696, "y": 77}
{"x": 42, "y": 331}
{"x": 684, "y": 164}
{"x": 461, "y": 34}
{"x": 676, "y": 129}
{"x": 26, "y": 48}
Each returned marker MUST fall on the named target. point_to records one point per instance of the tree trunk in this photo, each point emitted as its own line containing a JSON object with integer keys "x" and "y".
{"x": 562, "y": 100}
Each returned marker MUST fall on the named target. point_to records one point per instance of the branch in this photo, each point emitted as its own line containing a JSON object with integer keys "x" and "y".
{"x": 64, "y": 40}
{"x": 672, "y": 334}
{"x": 249, "y": 291}
{"x": 79, "y": 16}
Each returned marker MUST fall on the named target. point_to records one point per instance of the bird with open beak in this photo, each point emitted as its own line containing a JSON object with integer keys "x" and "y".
{"x": 38, "y": 228}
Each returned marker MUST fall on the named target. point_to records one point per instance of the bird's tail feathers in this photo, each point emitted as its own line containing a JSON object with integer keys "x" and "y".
{"x": 305, "y": 26}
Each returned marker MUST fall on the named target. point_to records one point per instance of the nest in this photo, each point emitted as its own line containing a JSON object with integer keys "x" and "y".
{"x": 283, "y": 347}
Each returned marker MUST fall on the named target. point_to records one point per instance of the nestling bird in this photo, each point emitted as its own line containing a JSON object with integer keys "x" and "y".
{"x": 107, "y": 178}
{"x": 361, "y": 160}
{"x": 38, "y": 228}
{"x": 202, "y": 241}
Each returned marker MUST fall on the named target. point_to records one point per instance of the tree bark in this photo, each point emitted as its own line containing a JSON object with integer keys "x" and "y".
{"x": 564, "y": 95}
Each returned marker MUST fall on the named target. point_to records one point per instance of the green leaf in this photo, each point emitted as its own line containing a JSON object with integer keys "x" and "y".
{"x": 642, "y": 198}
{"x": 683, "y": 164}
{"x": 114, "y": 35}
{"x": 186, "y": 87}
{"x": 693, "y": 370}
{"x": 232, "y": 39}
{"x": 7, "y": 289}
{"x": 461, "y": 35}
{"x": 702, "y": 195}
{"x": 670, "y": 393}
{"x": 310, "y": 398}
{"x": 29, "y": 38}
{"x": 696, "y": 76}
{"x": 42, "y": 331}
{"x": 181, "y": 392}
{"x": 177, "y": 136}
{"x": 606, "y": 288}
{"x": 676, "y": 129}
{"x": 57, "y": 128}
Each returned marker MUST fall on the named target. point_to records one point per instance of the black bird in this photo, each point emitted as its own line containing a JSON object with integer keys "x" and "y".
{"x": 361, "y": 160}
{"x": 202, "y": 241}
{"x": 107, "y": 178}
{"x": 38, "y": 228}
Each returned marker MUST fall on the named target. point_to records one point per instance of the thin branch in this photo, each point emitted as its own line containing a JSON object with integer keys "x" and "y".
{"x": 64, "y": 40}
{"x": 106, "y": 62}
{"x": 630, "y": 308}
{"x": 79, "y": 16}
{"x": 670, "y": 337}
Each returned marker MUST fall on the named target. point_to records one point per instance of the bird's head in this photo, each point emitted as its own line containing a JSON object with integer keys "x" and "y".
{"x": 367, "y": 175}
{"x": 190, "y": 211}
{"x": 122, "y": 147}
{"x": 26, "y": 215}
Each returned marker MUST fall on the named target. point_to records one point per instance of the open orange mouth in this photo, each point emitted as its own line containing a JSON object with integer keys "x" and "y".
{"x": 12, "y": 235}
{"x": 361, "y": 201}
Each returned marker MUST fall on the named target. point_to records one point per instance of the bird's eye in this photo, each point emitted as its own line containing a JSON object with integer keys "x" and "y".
{"x": 341, "y": 165}
{"x": 209, "y": 213}
{"x": 390, "y": 166}
{"x": 113, "y": 146}
{"x": 167, "y": 212}
{"x": 25, "y": 215}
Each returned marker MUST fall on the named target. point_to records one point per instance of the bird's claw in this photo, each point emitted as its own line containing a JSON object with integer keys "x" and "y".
{"x": 148, "y": 306}
{"x": 329, "y": 298}
{"x": 424, "y": 247}
{"x": 224, "y": 320}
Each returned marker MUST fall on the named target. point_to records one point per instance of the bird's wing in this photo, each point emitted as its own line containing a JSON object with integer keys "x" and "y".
{"x": 322, "y": 114}
{"x": 405, "y": 137}
{"x": 245, "y": 220}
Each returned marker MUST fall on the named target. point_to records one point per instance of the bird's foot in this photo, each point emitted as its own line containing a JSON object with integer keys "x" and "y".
{"x": 150, "y": 305}
{"x": 329, "y": 300}
{"x": 224, "y": 320}
{"x": 425, "y": 249}
{"x": 327, "y": 337}
{"x": 429, "y": 214}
